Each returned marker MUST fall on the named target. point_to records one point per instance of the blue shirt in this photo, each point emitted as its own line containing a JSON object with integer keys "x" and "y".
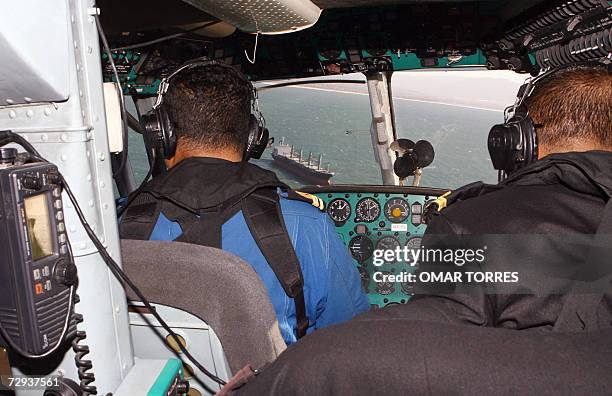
{"x": 332, "y": 285}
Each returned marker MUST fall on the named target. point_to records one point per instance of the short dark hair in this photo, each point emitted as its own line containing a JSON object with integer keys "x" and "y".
{"x": 210, "y": 106}
{"x": 574, "y": 104}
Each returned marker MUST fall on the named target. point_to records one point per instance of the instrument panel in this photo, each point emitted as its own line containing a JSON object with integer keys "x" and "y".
{"x": 370, "y": 218}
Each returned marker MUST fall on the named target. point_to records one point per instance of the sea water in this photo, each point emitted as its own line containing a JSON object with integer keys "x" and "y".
{"x": 337, "y": 124}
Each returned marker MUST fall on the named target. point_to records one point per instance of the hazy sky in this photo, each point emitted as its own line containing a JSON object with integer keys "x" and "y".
{"x": 481, "y": 89}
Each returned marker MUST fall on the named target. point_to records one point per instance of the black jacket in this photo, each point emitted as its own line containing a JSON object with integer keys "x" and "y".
{"x": 539, "y": 225}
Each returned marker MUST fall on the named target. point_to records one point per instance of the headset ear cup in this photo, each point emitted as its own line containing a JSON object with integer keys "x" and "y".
{"x": 530, "y": 139}
{"x": 159, "y": 133}
{"x": 502, "y": 142}
{"x": 167, "y": 136}
{"x": 263, "y": 136}
{"x": 151, "y": 127}
{"x": 253, "y": 136}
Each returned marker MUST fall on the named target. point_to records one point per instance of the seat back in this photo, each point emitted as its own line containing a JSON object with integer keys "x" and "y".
{"x": 217, "y": 287}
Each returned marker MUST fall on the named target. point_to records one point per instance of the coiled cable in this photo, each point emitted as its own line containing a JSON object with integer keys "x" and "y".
{"x": 84, "y": 366}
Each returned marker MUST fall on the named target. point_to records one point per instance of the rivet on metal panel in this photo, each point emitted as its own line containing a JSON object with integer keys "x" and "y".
{"x": 12, "y": 114}
{"x": 72, "y": 228}
{"x": 81, "y": 93}
{"x": 72, "y": 18}
{"x": 30, "y": 113}
{"x": 63, "y": 137}
{"x": 88, "y": 154}
{"x": 76, "y": 45}
{"x": 27, "y": 99}
{"x": 89, "y": 49}
{"x": 64, "y": 157}
{"x": 48, "y": 111}
{"x": 78, "y": 67}
{"x": 102, "y": 157}
{"x": 105, "y": 206}
{"x": 10, "y": 101}
{"x": 102, "y": 184}
{"x": 117, "y": 309}
{"x": 90, "y": 203}
{"x": 83, "y": 245}
{"x": 89, "y": 178}
{"x": 44, "y": 137}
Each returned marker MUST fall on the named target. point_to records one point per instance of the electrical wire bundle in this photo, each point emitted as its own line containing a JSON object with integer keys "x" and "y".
{"x": 10, "y": 137}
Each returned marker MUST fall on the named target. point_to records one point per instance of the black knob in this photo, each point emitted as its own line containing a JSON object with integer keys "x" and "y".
{"x": 8, "y": 155}
{"x": 31, "y": 183}
{"x": 65, "y": 272}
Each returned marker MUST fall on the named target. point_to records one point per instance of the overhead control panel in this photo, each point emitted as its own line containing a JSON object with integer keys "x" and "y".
{"x": 371, "y": 218}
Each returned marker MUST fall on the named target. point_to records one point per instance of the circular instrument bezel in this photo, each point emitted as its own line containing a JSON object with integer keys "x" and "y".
{"x": 368, "y": 218}
{"x": 396, "y": 244}
{"x": 385, "y": 288}
{"x": 361, "y": 257}
{"x": 397, "y": 201}
{"x": 344, "y": 218}
{"x": 409, "y": 241}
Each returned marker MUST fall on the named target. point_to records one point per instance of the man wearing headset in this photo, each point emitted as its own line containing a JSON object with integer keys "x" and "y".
{"x": 204, "y": 127}
{"x": 550, "y": 221}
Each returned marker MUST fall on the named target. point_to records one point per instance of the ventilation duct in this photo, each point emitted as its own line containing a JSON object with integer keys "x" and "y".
{"x": 262, "y": 16}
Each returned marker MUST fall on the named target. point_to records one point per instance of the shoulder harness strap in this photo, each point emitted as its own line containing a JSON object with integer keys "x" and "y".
{"x": 139, "y": 218}
{"x": 263, "y": 216}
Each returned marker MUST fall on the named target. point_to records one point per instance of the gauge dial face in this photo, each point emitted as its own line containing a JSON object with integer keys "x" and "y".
{"x": 385, "y": 288}
{"x": 413, "y": 244}
{"x": 407, "y": 288}
{"x": 339, "y": 210}
{"x": 397, "y": 210}
{"x": 368, "y": 210}
{"x": 361, "y": 248}
{"x": 387, "y": 243}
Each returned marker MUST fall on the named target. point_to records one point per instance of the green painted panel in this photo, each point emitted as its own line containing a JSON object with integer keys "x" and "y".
{"x": 172, "y": 371}
{"x": 381, "y": 232}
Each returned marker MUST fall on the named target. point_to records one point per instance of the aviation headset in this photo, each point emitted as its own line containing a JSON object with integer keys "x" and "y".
{"x": 514, "y": 144}
{"x": 159, "y": 129}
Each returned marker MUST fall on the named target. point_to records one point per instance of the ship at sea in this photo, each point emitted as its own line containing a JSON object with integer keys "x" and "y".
{"x": 309, "y": 170}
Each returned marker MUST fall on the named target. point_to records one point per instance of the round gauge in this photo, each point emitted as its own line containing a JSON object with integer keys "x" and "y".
{"x": 368, "y": 210}
{"x": 365, "y": 278}
{"x": 407, "y": 288}
{"x": 385, "y": 288}
{"x": 413, "y": 244}
{"x": 387, "y": 243}
{"x": 361, "y": 248}
{"x": 339, "y": 210}
{"x": 397, "y": 210}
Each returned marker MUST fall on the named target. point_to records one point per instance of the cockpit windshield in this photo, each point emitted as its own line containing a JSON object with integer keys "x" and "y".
{"x": 452, "y": 110}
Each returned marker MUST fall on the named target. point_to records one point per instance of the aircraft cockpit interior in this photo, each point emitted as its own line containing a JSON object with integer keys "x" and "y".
{"x": 371, "y": 111}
